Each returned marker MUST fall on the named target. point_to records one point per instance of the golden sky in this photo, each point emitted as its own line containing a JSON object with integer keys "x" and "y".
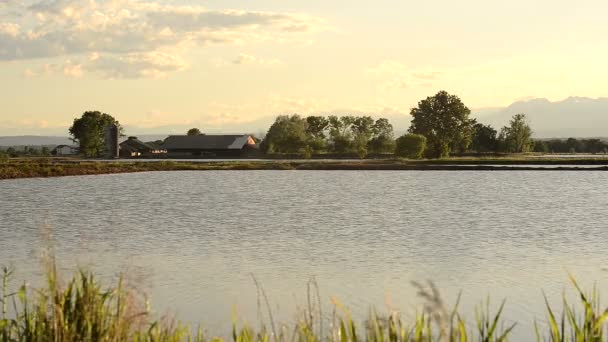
{"x": 226, "y": 65}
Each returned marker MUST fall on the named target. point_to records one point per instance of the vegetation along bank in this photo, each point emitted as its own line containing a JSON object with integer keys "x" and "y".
{"x": 82, "y": 309}
{"x": 49, "y": 167}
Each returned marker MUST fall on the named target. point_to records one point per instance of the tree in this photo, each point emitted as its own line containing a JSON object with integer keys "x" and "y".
{"x": 286, "y": 135}
{"x": 340, "y": 133}
{"x": 485, "y": 138}
{"x": 410, "y": 146}
{"x": 444, "y": 120}
{"x": 362, "y": 129}
{"x": 517, "y": 137}
{"x": 383, "y": 140}
{"x": 45, "y": 151}
{"x": 316, "y": 127}
{"x": 194, "y": 131}
{"x": 11, "y": 152}
{"x": 89, "y": 131}
{"x": 541, "y": 146}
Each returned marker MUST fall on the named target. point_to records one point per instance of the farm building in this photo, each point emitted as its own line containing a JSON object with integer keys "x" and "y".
{"x": 206, "y": 145}
{"x": 133, "y": 148}
{"x": 65, "y": 150}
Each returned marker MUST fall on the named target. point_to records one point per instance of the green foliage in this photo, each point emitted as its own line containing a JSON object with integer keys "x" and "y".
{"x": 541, "y": 146}
{"x": 89, "y": 132}
{"x": 340, "y": 133}
{"x": 574, "y": 145}
{"x": 588, "y": 325}
{"x": 84, "y": 310}
{"x": 383, "y": 140}
{"x": 288, "y": 134}
{"x": 11, "y": 152}
{"x": 410, "y": 146}
{"x": 485, "y": 138}
{"x": 362, "y": 131}
{"x": 316, "y": 126}
{"x": 517, "y": 137}
{"x": 444, "y": 120}
{"x": 194, "y": 131}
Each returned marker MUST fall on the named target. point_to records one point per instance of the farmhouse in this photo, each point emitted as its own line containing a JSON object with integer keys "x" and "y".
{"x": 207, "y": 145}
{"x": 65, "y": 150}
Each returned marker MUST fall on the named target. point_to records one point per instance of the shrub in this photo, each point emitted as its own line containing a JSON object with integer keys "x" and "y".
{"x": 410, "y": 146}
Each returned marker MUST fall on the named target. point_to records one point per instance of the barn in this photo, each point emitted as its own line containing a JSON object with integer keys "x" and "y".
{"x": 133, "y": 147}
{"x": 210, "y": 145}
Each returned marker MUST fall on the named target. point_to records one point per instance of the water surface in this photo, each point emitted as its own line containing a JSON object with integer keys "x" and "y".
{"x": 191, "y": 240}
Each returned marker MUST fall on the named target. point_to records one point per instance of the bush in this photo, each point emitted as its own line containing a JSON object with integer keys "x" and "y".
{"x": 410, "y": 146}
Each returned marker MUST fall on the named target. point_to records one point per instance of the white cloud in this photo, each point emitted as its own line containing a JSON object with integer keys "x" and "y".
{"x": 134, "y": 32}
{"x": 134, "y": 65}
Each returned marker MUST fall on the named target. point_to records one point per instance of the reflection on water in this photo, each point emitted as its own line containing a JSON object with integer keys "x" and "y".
{"x": 193, "y": 239}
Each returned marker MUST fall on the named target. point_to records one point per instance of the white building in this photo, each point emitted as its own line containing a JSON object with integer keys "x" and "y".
{"x": 65, "y": 150}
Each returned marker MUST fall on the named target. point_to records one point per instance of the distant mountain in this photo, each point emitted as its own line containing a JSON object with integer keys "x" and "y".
{"x": 34, "y": 140}
{"x": 572, "y": 117}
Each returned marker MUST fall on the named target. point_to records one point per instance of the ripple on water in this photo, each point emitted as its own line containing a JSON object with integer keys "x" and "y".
{"x": 193, "y": 239}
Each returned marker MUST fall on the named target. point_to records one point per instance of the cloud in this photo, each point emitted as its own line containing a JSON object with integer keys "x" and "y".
{"x": 243, "y": 59}
{"x": 130, "y": 31}
{"x": 135, "y": 65}
{"x": 395, "y": 75}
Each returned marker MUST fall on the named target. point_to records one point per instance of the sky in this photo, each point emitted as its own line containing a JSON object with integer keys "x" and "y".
{"x": 160, "y": 66}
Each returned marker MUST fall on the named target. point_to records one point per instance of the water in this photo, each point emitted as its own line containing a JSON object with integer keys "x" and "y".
{"x": 191, "y": 240}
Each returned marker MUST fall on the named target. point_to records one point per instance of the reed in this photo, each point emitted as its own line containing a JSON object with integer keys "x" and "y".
{"x": 83, "y": 310}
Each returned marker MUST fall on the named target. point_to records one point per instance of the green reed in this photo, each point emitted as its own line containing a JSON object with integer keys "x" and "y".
{"x": 82, "y": 310}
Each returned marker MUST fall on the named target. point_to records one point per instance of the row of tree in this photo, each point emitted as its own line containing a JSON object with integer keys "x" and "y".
{"x": 344, "y": 134}
{"x": 441, "y": 124}
{"x": 571, "y": 145}
{"x": 26, "y": 151}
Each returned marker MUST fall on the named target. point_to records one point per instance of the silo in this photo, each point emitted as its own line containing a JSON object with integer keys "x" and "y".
{"x": 112, "y": 141}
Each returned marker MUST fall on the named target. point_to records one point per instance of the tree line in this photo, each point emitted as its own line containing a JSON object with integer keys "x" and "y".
{"x": 338, "y": 134}
{"x": 441, "y": 125}
{"x": 25, "y": 151}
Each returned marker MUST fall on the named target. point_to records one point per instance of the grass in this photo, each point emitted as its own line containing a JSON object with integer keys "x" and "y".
{"x": 55, "y": 167}
{"x": 81, "y": 309}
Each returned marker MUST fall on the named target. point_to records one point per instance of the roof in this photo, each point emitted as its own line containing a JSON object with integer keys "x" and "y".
{"x": 206, "y": 142}
{"x": 134, "y": 144}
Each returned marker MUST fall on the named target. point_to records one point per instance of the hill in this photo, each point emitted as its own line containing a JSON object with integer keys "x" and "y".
{"x": 572, "y": 117}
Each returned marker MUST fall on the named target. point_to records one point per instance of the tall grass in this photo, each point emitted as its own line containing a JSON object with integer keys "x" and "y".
{"x": 83, "y": 310}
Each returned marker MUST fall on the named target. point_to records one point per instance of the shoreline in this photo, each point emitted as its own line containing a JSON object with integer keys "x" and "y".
{"x": 49, "y": 167}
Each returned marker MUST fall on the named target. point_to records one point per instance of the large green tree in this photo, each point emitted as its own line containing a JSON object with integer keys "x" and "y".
{"x": 286, "y": 135}
{"x": 89, "y": 132}
{"x": 517, "y": 137}
{"x": 444, "y": 120}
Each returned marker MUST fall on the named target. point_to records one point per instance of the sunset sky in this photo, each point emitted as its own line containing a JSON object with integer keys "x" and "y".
{"x": 222, "y": 65}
